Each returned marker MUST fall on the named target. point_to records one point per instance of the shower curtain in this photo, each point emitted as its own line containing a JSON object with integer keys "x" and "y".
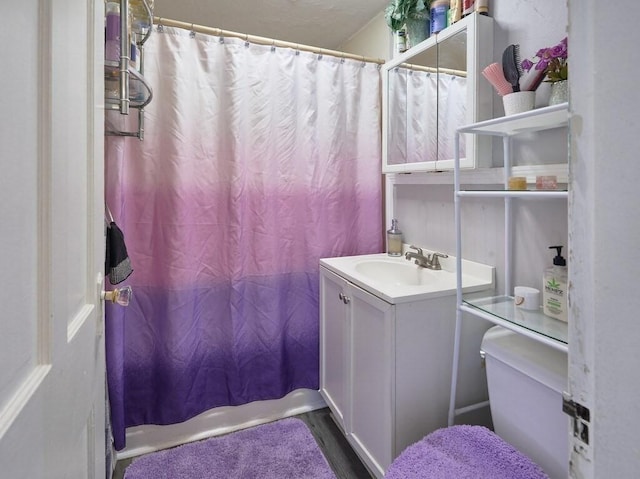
{"x": 257, "y": 161}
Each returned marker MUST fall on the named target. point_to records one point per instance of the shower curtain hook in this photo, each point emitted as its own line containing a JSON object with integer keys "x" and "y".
{"x": 246, "y": 39}
{"x": 160, "y": 28}
{"x": 273, "y": 45}
{"x": 192, "y": 33}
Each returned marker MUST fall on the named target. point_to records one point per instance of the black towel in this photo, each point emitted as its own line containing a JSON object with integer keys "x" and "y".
{"x": 117, "y": 263}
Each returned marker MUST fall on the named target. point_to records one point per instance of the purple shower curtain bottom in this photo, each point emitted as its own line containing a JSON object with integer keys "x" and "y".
{"x": 174, "y": 354}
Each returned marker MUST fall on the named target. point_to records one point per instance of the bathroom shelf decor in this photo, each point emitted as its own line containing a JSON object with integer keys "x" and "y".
{"x": 126, "y": 87}
{"x": 500, "y": 308}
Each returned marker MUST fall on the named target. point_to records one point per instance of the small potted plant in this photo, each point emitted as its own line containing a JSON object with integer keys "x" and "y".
{"x": 552, "y": 67}
{"x": 412, "y": 14}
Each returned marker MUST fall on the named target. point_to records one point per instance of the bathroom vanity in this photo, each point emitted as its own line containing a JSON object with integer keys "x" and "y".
{"x": 386, "y": 338}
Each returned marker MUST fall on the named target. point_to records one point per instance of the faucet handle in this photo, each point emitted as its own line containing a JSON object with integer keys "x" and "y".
{"x": 435, "y": 262}
{"x": 419, "y": 250}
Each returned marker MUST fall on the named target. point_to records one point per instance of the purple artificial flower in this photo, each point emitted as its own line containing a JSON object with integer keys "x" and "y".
{"x": 551, "y": 60}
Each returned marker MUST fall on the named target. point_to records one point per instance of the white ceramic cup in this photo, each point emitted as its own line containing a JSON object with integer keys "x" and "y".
{"x": 518, "y": 102}
{"x": 526, "y": 298}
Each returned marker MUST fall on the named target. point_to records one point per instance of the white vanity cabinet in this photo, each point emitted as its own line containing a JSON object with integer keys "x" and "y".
{"x": 385, "y": 369}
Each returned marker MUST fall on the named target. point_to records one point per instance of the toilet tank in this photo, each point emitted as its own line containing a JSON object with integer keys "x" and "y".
{"x": 525, "y": 379}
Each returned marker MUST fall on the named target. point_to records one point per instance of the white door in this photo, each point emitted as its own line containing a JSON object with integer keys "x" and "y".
{"x": 372, "y": 360}
{"x": 334, "y": 336}
{"x": 52, "y": 239}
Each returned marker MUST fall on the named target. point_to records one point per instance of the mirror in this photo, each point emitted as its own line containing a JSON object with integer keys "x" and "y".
{"x": 433, "y": 89}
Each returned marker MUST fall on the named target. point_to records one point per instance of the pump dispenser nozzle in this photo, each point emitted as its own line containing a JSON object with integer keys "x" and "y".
{"x": 558, "y": 260}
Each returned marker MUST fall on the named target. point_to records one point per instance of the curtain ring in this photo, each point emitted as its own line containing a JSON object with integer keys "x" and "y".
{"x": 273, "y": 45}
{"x": 297, "y": 49}
{"x": 192, "y": 33}
{"x": 246, "y": 39}
{"x": 160, "y": 28}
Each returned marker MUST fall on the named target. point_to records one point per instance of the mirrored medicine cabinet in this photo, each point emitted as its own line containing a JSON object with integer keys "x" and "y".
{"x": 431, "y": 90}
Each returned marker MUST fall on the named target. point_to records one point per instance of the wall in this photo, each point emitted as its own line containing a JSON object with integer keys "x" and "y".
{"x": 373, "y": 40}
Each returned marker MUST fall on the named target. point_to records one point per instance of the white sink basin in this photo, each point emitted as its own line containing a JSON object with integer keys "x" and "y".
{"x": 407, "y": 273}
{"x": 398, "y": 280}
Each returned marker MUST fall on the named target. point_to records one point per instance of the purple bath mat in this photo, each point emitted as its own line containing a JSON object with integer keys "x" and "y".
{"x": 283, "y": 449}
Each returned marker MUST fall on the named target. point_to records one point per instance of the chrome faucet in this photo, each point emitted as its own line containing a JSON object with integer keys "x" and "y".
{"x": 420, "y": 258}
{"x": 430, "y": 261}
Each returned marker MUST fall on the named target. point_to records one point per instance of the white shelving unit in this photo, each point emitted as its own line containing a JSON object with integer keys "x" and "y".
{"x": 500, "y": 309}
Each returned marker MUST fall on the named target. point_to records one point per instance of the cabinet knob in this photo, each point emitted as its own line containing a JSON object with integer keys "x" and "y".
{"x": 345, "y": 299}
{"x": 341, "y": 297}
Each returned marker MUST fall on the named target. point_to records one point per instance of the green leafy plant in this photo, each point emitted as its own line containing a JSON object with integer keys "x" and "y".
{"x": 398, "y": 11}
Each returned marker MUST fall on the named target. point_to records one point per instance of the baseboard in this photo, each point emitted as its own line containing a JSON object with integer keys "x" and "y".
{"x": 215, "y": 422}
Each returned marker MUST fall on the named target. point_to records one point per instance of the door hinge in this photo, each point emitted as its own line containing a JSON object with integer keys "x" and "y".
{"x": 580, "y": 415}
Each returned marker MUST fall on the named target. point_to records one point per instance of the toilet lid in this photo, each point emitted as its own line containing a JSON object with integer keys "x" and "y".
{"x": 543, "y": 363}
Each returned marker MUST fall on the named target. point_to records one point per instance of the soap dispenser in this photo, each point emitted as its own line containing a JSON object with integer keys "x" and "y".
{"x": 394, "y": 239}
{"x": 554, "y": 282}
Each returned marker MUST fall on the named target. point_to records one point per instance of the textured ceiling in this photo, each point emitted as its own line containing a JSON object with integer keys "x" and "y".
{"x": 325, "y": 24}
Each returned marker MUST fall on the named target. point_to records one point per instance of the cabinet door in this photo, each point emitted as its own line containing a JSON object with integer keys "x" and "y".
{"x": 372, "y": 389}
{"x": 333, "y": 344}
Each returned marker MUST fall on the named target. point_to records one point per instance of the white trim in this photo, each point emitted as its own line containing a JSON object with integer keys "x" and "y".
{"x": 218, "y": 421}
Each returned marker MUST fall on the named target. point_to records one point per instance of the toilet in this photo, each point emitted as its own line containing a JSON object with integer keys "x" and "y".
{"x": 530, "y": 440}
{"x": 525, "y": 379}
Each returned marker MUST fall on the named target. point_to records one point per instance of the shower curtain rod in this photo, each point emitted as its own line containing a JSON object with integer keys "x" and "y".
{"x": 262, "y": 40}
{"x": 420, "y": 68}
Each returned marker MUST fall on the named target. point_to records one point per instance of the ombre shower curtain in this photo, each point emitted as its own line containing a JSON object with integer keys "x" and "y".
{"x": 257, "y": 162}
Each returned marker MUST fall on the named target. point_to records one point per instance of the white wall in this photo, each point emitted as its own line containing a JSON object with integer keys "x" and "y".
{"x": 372, "y": 41}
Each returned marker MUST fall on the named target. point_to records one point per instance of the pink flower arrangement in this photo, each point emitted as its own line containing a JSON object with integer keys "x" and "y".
{"x": 552, "y": 61}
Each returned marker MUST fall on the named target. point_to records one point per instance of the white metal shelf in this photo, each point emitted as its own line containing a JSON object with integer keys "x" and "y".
{"x": 546, "y": 118}
{"x": 500, "y": 309}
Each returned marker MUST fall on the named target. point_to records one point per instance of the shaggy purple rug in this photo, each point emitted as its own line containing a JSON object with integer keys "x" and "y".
{"x": 283, "y": 449}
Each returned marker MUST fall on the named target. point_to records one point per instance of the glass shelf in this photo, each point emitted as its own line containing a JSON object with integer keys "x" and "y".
{"x": 502, "y": 310}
